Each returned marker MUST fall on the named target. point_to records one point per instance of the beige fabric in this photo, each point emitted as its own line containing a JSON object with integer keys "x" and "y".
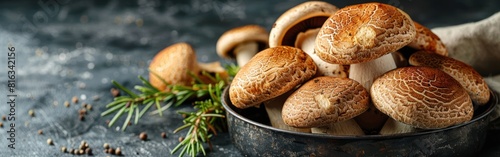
{"x": 477, "y": 44}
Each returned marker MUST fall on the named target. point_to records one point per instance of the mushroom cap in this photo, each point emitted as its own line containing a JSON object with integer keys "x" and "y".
{"x": 172, "y": 64}
{"x": 422, "y": 97}
{"x": 469, "y": 78}
{"x": 428, "y": 41}
{"x": 270, "y": 73}
{"x": 325, "y": 100}
{"x": 363, "y": 32}
{"x": 248, "y": 33}
{"x": 308, "y": 15}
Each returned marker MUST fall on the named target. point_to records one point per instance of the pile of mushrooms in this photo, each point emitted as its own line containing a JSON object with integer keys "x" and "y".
{"x": 361, "y": 69}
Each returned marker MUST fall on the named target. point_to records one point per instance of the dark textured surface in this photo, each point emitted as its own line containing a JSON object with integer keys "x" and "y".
{"x": 75, "y": 48}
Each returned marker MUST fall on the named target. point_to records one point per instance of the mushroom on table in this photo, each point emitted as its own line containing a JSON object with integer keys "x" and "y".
{"x": 327, "y": 101}
{"x": 363, "y": 36}
{"x": 173, "y": 64}
{"x": 299, "y": 26}
{"x": 269, "y": 74}
{"x": 242, "y": 43}
{"x": 469, "y": 78}
{"x": 420, "y": 97}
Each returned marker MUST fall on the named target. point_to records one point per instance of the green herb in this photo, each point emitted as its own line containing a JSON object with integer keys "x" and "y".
{"x": 207, "y": 119}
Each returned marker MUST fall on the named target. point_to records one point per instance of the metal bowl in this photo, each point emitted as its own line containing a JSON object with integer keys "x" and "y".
{"x": 253, "y": 135}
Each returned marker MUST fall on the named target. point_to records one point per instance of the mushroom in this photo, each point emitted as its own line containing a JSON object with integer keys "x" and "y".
{"x": 327, "y": 104}
{"x": 427, "y": 40}
{"x": 420, "y": 97}
{"x": 173, "y": 64}
{"x": 242, "y": 43}
{"x": 469, "y": 78}
{"x": 269, "y": 74}
{"x": 364, "y": 35}
{"x": 299, "y": 26}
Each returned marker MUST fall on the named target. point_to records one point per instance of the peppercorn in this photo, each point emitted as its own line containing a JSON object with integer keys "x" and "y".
{"x": 106, "y": 145}
{"x": 40, "y": 132}
{"x": 143, "y": 136}
{"x": 118, "y": 151}
{"x": 31, "y": 113}
{"x": 64, "y": 149}
{"x": 50, "y": 142}
{"x": 66, "y": 103}
{"x": 88, "y": 151}
{"x": 163, "y": 135}
{"x": 115, "y": 92}
{"x": 74, "y": 99}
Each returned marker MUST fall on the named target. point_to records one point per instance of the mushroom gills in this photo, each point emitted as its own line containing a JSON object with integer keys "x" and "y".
{"x": 274, "y": 109}
{"x": 291, "y": 36}
{"x": 245, "y": 51}
{"x": 392, "y": 126}
{"x": 348, "y": 127}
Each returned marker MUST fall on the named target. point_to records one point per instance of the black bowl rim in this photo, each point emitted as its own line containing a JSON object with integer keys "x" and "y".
{"x": 494, "y": 100}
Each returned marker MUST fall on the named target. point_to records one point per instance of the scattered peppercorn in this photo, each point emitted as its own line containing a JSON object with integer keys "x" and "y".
{"x": 81, "y": 151}
{"x": 81, "y": 117}
{"x": 89, "y": 107}
{"x": 72, "y": 151}
{"x": 84, "y": 105}
{"x": 82, "y": 111}
{"x": 64, "y": 149}
{"x": 88, "y": 151}
{"x": 50, "y": 142}
{"x": 111, "y": 151}
{"x": 4, "y": 118}
{"x": 118, "y": 151}
{"x": 163, "y": 135}
{"x": 66, "y": 103}
{"x": 31, "y": 113}
{"x": 74, "y": 99}
{"x": 40, "y": 132}
{"x": 1, "y": 125}
{"x": 143, "y": 136}
{"x": 181, "y": 139}
{"x": 106, "y": 145}
{"x": 115, "y": 92}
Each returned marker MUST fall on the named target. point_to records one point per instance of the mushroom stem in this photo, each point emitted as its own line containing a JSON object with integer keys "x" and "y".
{"x": 245, "y": 51}
{"x": 392, "y": 126}
{"x": 365, "y": 73}
{"x": 212, "y": 68}
{"x": 306, "y": 42}
{"x": 348, "y": 127}
{"x": 274, "y": 108}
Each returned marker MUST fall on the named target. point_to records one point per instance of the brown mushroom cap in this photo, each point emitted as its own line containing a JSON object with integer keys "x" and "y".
{"x": 422, "y": 97}
{"x": 308, "y": 15}
{"x": 248, "y": 33}
{"x": 363, "y": 32}
{"x": 469, "y": 78}
{"x": 270, "y": 73}
{"x": 325, "y": 100}
{"x": 428, "y": 41}
{"x": 172, "y": 64}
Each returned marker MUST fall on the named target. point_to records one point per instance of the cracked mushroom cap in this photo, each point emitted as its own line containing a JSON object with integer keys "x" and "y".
{"x": 325, "y": 100}
{"x": 172, "y": 64}
{"x": 308, "y": 15}
{"x": 428, "y": 41}
{"x": 270, "y": 73}
{"x": 363, "y": 32}
{"x": 469, "y": 78}
{"x": 422, "y": 97}
{"x": 248, "y": 33}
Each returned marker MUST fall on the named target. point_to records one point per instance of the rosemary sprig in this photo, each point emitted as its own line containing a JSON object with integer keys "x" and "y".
{"x": 207, "y": 119}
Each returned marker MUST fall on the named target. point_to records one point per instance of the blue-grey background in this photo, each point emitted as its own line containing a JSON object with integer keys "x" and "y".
{"x": 72, "y": 48}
